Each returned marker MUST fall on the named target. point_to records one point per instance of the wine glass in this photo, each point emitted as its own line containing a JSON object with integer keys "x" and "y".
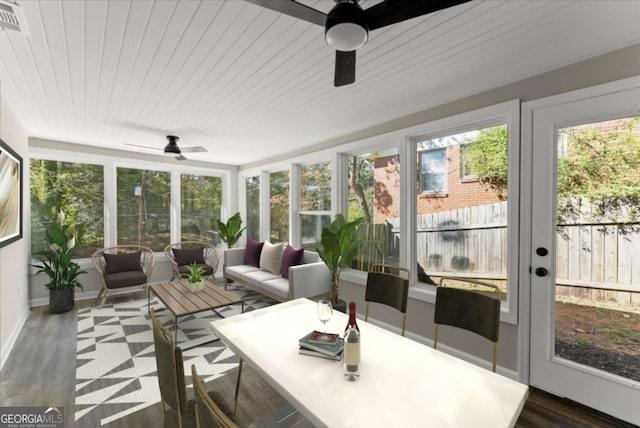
{"x": 325, "y": 310}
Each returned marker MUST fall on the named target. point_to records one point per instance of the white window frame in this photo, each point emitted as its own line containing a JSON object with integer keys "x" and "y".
{"x": 444, "y": 173}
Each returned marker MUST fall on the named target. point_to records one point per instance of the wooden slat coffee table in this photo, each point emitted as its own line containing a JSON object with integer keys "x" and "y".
{"x": 181, "y": 301}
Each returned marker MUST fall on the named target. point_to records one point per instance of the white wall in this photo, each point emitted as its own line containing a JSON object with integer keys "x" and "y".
{"x": 14, "y": 308}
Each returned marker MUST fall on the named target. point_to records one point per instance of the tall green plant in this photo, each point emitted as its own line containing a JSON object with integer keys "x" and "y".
{"x": 231, "y": 231}
{"x": 56, "y": 261}
{"x": 339, "y": 248}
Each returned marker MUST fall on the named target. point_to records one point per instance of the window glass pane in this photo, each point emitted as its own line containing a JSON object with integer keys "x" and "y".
{"x": 312, "y": 225}
{"x": 252, "y": 189}
{"x": 316, "y": 187}
{"x": 143, "y": 207}
{"x": 77, "y": 189}
{"x": 374, "y": 193}
{"x": 200, "y": 207}
{"x": 433, "y": 171}
{"x": 279, "y": 203}
{"x": 463, "y": 232}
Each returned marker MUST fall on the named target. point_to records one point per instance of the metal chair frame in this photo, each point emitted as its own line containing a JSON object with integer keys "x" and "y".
{"x": 209, "y": 252}
{"x": 146, "y": 261}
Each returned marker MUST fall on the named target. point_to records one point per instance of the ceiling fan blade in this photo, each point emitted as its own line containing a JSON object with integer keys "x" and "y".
{"x": 345, "y": 68}
{"x": 293, "y": 8}
{"x": 194, "y": 149}
{"x": 390, "y": 12}
{"x": 180, "y": 158}
{"x": 144, "y": 147}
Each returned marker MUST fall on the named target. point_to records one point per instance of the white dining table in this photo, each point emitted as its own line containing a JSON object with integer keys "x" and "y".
{"x": 402, "y": 383}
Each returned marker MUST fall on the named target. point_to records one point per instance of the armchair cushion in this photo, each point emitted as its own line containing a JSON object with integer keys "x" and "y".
{"x": 252, "y": 253}
{"x": 189, "y": 256}
{"x": 270, "y": 257}
{"x": 124, "y": 279}
{"x": 290, "y": 257}
{"x": 122, "y": 262}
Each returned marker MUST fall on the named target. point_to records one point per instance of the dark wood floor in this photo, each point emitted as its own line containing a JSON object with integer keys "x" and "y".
{"x": 41, "y": 372}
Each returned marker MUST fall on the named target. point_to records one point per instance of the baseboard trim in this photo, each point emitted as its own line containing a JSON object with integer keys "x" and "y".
{"x": 13, "y": 337}
{"x": 511, "y": 374}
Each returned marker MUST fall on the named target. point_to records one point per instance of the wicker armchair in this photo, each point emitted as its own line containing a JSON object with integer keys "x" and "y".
{"x": 188, "y": 253}
{"x": 124, "y": 267}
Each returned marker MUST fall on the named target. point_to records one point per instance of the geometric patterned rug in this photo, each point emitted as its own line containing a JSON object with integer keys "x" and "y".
{"x": 115, "y": 361}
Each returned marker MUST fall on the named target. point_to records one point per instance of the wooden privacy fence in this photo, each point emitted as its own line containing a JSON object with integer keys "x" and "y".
{"x": 598, "y": 261}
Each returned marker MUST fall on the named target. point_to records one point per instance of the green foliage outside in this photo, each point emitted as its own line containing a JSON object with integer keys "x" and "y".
{"x": 55, "y": 259}
{"x": 486, "y": 157}
{"x": 200, "y": 203}
{"x": 75, "y": 188}
{"x": 279, "y": 203}
{"x": 252, "y": 190}
{"x": 601, "y": 169}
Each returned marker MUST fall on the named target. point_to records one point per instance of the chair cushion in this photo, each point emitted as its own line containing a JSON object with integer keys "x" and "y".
{"x": 122, "y": 262}
{"x": 252, "y": 253}
{"x": 189, "y": 256}
{"x": 290, "y": 257}
{"x": 257, "y": 277}
{"x": 125, "y": 279}
{"x": 208, "y": 270}
{"x": 270, "y": 257}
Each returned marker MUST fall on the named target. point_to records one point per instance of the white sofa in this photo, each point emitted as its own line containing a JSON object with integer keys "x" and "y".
{"x": 310, "y": 279}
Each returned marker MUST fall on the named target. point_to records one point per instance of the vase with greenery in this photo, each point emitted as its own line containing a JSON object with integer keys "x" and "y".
{"x": 56, "y": 262}
{"x": 195, "y": 277}
{"x": 338, "y": 249}
{"x": 231, "y": 231}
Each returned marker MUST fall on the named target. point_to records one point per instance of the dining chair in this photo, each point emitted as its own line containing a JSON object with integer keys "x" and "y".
{"x": 387, "y": 285}
{"x": 464, "y": 306}
{"x": 208, "y": 413}
{"x": 173, "y": 393}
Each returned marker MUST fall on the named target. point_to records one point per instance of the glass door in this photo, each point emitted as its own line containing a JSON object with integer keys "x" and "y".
{"x": 585, "y": 288}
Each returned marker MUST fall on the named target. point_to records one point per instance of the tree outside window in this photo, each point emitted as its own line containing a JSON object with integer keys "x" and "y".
{"x": 315, "y": 203}
{"x": 75, "y": 188}
{"x": 279, "y": 206}
{"x": 201, "y": 200}
{"x": 143, "y": 207}
{"x": 252, "y": 195}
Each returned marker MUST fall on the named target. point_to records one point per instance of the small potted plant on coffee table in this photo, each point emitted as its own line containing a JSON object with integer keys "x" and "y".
{"x": 195, "y": 277}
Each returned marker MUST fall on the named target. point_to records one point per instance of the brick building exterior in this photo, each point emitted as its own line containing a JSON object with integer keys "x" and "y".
{"x": 460, "y": 192}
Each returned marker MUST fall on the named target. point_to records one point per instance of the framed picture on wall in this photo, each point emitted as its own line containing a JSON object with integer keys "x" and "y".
{"x": 10, "y": 195}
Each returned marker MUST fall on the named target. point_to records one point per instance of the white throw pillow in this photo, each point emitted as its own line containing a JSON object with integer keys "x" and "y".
{"x": 270, "y": 257}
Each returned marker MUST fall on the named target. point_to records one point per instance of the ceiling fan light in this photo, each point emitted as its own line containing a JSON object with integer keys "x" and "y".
{"x": 346, "y": 28}
{"x": 172, "y": 146}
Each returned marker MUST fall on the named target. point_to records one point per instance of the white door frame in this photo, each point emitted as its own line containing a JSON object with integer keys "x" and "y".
{"x": 526, "y": 244}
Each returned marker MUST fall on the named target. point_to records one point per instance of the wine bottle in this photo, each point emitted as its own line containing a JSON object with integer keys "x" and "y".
{"x": 352, "y": 318}
{"x": 352, "y": 347}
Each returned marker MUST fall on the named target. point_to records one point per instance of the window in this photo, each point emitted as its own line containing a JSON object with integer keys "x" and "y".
{"x": 143, "y": 207}
{"x": 433, "y": 171}
{"x": 463, "y": 233}
{"x": 279, "y": 206}
{"x": 374, "y": 193}
{"x": 201, "y": 199}
{"x": 77, "y": 189}
{"x": 252, "y": 195}
{"x": 315, "y": 203}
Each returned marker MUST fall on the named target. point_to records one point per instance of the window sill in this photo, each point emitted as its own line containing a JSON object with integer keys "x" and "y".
{"x": 433, "y": 195}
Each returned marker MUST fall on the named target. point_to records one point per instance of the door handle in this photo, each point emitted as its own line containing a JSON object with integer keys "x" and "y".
{"x": 540, "y": 271}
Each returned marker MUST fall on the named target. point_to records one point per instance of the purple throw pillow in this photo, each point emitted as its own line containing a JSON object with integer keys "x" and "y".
{"x": 290, "y": 257}
{"x": 252, "y": 253}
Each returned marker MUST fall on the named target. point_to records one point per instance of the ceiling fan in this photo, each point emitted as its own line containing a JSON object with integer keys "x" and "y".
{"x": 172, "y": 148}
{"x": 347, "y": 25}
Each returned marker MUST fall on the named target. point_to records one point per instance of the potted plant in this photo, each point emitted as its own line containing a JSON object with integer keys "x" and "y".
{"x": 195, "y": 277}
{"x": 339, "y": 248}
{"x": 56, "y": 262}
{"x": 231, "y": 231}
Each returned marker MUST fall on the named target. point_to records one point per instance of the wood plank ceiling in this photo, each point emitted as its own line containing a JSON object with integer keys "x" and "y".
{"x": 249, "y": 83}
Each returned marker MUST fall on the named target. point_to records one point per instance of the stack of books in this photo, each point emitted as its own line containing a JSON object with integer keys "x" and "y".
{"x": 319, "y": 344}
